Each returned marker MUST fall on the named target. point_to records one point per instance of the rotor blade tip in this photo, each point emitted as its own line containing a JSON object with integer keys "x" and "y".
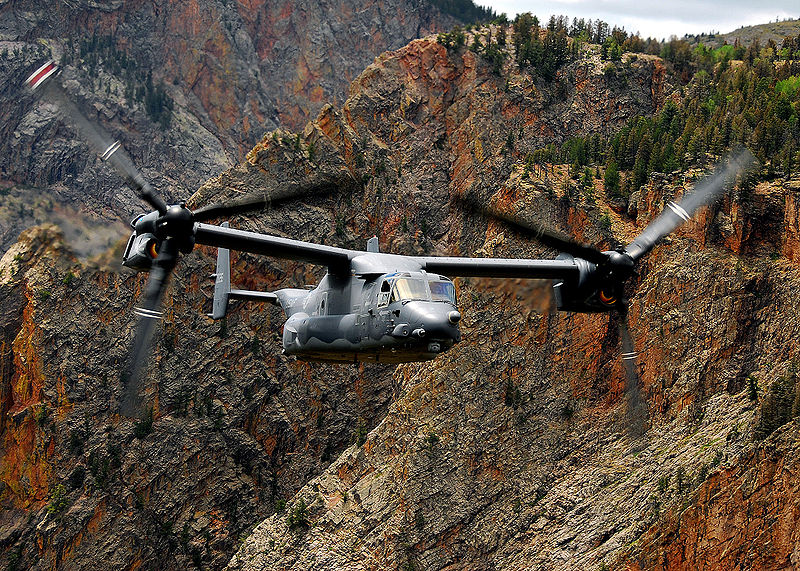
{"x": 41, "y": 75}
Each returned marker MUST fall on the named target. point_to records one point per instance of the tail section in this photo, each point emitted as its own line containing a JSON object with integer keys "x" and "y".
{"x": 222, "y": 286}
{"x": 222, "y": 283}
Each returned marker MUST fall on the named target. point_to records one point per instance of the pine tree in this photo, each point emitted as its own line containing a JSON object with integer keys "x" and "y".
{"x": 640, "y": 171}
{"x": 501, "y": 35}
{"x": 521, "y": 37}
{"x": 611, "y": 179}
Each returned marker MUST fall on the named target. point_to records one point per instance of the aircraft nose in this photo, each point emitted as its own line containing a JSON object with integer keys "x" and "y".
{"x": 435, "y": 322}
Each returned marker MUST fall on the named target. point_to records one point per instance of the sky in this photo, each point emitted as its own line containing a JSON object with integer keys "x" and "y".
{"x": 658, "y": 19}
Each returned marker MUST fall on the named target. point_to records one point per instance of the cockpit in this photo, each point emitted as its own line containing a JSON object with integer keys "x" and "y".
{"x": 442, "y": 290}
{"x": 408, "y": 287}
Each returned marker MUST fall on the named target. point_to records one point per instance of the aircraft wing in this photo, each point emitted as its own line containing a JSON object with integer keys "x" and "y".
{"x": 337, "y": 259}
{"x": 500, "y": 267}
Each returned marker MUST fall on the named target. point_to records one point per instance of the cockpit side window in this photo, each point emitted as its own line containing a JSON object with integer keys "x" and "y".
{"x": 383, "y": 295}
{"x": 443, "y": 291}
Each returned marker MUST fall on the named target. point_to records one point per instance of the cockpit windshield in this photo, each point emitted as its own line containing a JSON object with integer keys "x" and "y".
{"x": 405, "y": 289}
{"x": 443, "y": 291}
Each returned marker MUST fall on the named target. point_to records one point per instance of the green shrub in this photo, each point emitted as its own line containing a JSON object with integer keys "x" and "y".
{"x": 663, "y": 484}
{"x": 605, "y": 221}
{"x": 680, "y": 479}
{"x": 41, "y": 415}
{"x": 144, "y": 426}
{"x": 361, "y": 432}
{"x": 58, "y": 502}
{"x": 297, "y": 517}
{"x": 752, "y": 387}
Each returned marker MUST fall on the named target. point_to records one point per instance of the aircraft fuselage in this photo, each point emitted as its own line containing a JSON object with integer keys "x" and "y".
{"x": 390, "y": 318}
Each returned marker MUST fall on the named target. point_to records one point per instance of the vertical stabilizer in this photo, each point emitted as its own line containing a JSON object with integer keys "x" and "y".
{"x": 222, "y": 282}
{"x": 222, "y": 286}
{"x": 372, "y": 245}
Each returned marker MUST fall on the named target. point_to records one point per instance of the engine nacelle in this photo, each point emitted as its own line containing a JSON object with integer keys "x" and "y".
{"x": 143, "y": 244}
{"x": 141, "y": 252}
{"x": 598, "y": 287}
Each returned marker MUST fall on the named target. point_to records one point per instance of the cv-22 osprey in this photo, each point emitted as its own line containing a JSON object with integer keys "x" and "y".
{"x": 370, "y": 305}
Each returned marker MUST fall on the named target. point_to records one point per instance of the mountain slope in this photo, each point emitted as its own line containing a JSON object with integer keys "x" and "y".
{"x": 774, "y": 31}
{"x": 238, "y": 428}
{"x": 188, "y": 87}
{"x": 510, "y": 451}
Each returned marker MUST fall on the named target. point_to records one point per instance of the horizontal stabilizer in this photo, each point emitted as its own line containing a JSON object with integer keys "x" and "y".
{"x": 262, "y": 296}
{"x": 222, "y": 286}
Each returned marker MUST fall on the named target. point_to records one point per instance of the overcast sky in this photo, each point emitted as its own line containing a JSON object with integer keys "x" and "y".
{"x": 659, "y": 19}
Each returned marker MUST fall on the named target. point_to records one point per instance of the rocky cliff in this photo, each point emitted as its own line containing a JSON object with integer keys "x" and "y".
{"x": 235, "y": 431}
{"x": 188, "y": 87}
{"x": 511, "y": 451}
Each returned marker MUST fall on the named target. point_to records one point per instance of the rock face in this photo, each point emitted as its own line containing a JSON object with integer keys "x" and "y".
{"x": 187, "y": 87}
{"x": 235, "y": 428}
{"x": 742, "y": 516}
{"x": 511, "y": 451}
{"x": 791, "y": 245}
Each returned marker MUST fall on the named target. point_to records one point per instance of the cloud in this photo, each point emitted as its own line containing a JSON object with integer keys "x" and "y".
{"x": 659, "y": 19}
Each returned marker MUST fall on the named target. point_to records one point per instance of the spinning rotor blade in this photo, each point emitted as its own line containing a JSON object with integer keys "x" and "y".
{"x": 539, "y": 232}
{"x": 636, "y": 407}
{"x": 176, "y": 225}
{"x": 46, "y": 81}
{"x": 261, "y": 201}
{"x": 148, "y": 314}
{"x": 705, "y": 192}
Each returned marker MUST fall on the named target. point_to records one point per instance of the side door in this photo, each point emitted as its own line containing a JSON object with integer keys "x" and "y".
{"x": 379, "y": 310}
{"x": 366, "y": 309}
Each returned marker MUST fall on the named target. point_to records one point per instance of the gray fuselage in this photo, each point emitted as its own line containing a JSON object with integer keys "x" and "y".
{"x": 393, "y": 317}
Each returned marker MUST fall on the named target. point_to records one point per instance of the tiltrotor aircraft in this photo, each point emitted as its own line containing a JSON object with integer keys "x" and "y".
{"x": 370, "y": 306}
